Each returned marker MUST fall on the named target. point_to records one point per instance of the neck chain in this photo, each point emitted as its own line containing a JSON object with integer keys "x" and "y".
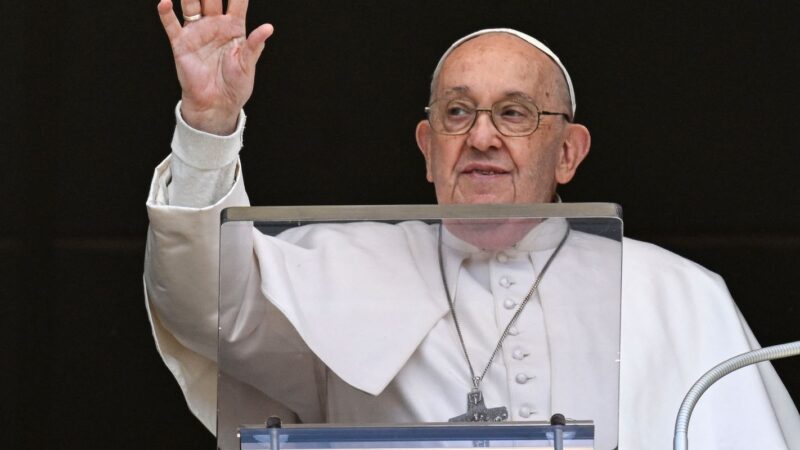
{"x": 476, "y": 410}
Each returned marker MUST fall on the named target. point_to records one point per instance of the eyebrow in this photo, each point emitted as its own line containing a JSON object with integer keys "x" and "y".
{"x": 463, "y": 90}
{"x": 457, "y": 90}
{"x": 519, "y": 94}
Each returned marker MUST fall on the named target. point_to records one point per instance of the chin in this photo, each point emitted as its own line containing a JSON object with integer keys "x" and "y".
{"x": 485, "y": 199}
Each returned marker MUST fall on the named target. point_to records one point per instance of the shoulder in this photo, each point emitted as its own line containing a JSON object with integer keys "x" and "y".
{"x": 655, "y": 280}
{"x": 645, "y": 260}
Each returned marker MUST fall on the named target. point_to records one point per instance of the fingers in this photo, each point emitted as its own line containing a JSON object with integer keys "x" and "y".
{"x": 191, "y": 8}
{"x": 168, "y": 19}
{"x": 237, "y": 8}
{"x": 255, "y": 44}
{"x": 212, "y": 7}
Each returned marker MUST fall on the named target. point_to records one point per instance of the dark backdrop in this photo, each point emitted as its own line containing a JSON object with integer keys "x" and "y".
{"x": 692, "y": 109}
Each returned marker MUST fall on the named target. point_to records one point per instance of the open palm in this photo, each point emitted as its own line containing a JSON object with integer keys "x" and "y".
{"x": 215, "y": 60}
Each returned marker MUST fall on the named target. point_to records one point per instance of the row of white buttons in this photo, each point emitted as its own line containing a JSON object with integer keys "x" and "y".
{"x": 525, "y": 411}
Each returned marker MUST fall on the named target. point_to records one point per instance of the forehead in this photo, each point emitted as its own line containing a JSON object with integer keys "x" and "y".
{"x": 495, "y": 63}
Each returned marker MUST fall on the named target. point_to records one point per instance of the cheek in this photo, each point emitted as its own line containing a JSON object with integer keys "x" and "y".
{"x": 445, "y": 153}
{"x": 536, "y": 164}
{"x": 528, "y": 156}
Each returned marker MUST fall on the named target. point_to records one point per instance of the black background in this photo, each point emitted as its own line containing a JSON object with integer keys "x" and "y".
{"x": 692, "y": 109}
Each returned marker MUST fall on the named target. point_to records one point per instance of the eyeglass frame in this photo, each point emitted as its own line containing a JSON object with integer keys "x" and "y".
{"x": 539, "y": 114}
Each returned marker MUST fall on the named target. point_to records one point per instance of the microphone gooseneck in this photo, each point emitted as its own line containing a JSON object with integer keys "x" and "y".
{"x": 681, "y": 439}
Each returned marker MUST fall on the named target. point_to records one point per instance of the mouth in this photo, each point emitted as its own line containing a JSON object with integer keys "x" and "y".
{"x": 483, "y": 170}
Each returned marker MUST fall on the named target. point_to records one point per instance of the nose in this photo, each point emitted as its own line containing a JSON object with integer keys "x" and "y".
{"x": 483, "y": 135}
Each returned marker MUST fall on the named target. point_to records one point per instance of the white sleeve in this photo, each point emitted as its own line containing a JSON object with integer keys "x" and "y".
{"x": 203, "y": 165}
{"x": 181, "y": 287}
{"x": 189, "y": 190}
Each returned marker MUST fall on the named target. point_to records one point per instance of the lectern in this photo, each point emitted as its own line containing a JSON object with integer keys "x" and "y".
{"x": 453, "y": 326}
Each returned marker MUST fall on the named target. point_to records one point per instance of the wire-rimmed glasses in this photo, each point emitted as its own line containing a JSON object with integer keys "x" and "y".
{"x": 513, "y": 117}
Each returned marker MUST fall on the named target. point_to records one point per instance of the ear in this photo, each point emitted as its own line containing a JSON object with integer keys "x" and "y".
{"x": 573, "y": 150}
{"x": 424, "y": 135}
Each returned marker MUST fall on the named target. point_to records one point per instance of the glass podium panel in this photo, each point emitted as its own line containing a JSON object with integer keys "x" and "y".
{"x": 407, "y": 316}
{"x": 576, "y": 436}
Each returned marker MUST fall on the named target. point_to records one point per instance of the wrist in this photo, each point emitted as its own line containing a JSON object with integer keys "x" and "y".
{"x": 216, "y": 121}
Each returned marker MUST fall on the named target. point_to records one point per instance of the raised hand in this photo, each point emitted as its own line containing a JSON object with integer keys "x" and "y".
{"x": 215, "y": 60}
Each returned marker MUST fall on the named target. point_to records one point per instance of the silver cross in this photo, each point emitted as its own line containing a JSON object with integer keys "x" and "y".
{"x": 478, "y": 412}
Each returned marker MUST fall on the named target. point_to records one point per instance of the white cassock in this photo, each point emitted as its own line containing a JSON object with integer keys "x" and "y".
{"x": 399, "y": 359}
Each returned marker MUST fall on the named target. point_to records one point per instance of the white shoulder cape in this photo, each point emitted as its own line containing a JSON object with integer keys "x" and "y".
{"x": 677, "y": 321}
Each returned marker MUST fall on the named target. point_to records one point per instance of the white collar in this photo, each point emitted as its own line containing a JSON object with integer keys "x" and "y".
{"x": 544, "y": 236}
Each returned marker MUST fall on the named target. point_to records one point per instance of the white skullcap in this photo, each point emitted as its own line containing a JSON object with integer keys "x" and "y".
{"x": 529, "y": 39}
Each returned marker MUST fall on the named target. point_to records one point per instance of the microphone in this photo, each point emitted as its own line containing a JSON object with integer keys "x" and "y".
{"x": 681, "y": 438}
{"x": 557, "y": 421}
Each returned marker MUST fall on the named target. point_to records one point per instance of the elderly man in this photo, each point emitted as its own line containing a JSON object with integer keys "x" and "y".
{"x": 500, "y": 130}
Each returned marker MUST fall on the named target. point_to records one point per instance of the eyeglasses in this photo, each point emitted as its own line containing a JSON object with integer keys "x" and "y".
{"x": 512, "y": 117}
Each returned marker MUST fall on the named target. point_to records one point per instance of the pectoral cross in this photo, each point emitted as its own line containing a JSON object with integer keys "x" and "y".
{"x": 478, "y": 412}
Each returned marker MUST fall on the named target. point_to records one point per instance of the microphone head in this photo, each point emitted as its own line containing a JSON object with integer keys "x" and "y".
{"x": 273, "y": 422}
{"x": 558, "y": 419}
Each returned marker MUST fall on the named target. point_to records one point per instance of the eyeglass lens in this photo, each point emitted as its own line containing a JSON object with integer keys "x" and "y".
{"x": 511, "y": 117}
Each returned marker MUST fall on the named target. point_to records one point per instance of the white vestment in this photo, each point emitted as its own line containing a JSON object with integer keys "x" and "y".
{"x": 398, "y": 360}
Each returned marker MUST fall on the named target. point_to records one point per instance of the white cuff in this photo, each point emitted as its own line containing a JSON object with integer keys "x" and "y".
{"x": 203, "y": 150}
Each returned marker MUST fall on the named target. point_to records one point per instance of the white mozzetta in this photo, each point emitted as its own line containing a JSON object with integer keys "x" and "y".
{"x": 678, "y": 320}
